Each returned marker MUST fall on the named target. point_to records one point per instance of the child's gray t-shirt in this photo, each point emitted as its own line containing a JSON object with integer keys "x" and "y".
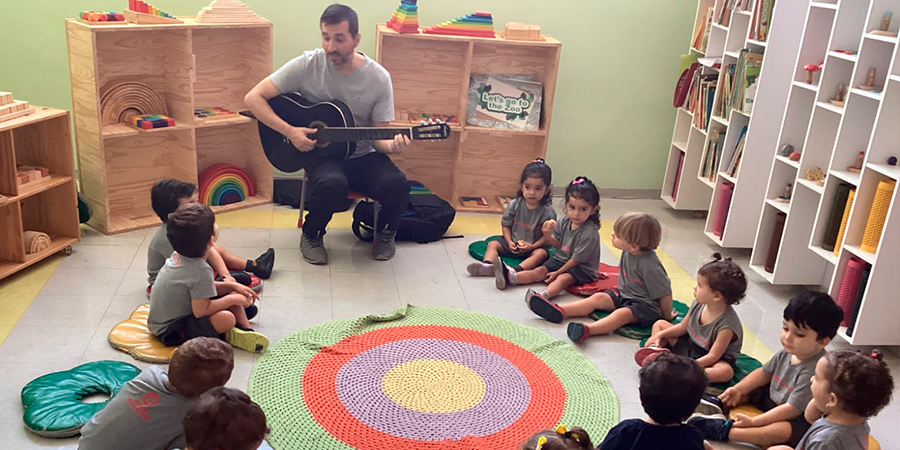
{"x": 368, "y": 91}
{"x": 642, "y": 277}
{"x": 180, "y": 281}
{"x": 705, "y": 335}
{"x": 159, "y": 251}
{"x": 825, "y": 435}
{"x": 582, "y": 244}
{"x": 145, "y": 415}
{"x": 525, "y": 224}
{"x": 791, "y": 382}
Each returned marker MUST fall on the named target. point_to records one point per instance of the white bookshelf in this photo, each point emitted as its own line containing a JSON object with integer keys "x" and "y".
{"x": 830, "y": 137}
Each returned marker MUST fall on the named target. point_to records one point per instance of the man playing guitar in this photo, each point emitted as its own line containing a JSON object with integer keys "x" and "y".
{"x": 337, "y": 71}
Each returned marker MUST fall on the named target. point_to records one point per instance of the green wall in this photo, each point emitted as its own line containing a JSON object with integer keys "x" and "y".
{"x": 612, "y": 119}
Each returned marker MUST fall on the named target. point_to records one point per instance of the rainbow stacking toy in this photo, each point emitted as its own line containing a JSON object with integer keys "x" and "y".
{"x": 480, "y": 24}
{"x": 406, "y": 18}
{"x": 151, "y": 121}
{"x": 223, "y": 184}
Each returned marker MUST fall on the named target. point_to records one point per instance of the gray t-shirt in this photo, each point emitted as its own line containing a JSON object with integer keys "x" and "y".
{"x": 180, "y": 281}
{"x": 525, "y": 224}
{"x": 705, "y": 335}
{"x": 582, "y": 245}
{"x": 160, "y": 250}
{"x": 790, "y": 382}
{"x": 145, "y": 415}
{"x": 825, "y": 435}
{"x": 642, "y": 277}
{"x": 368, "y": 91}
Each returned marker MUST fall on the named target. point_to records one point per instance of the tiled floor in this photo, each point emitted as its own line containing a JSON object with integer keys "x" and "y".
{"x": 104, "y": 279}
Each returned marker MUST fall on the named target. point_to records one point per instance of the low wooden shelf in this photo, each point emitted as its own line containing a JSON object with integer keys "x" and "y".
{"x": 48, "y": 205}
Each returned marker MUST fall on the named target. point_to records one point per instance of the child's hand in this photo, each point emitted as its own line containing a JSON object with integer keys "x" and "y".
{"x": 731, "y": 396}
{"x": 525, "y": 247}
{"x": 744, "y": 421}
{"x": 551, "y": 277}
{"x": 548, "y": 226}
{"x": 652, "y": 341}
{"x": 513, "y": 246}
{"x": 245, "y": 291}
{"x": 228, "y": 278}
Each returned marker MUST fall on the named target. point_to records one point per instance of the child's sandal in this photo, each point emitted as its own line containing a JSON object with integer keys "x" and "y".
{"x": 645, "y": 355}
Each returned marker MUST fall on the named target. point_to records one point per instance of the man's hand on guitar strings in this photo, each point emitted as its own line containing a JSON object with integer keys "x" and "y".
{"x": 399, "y": 143}
{"x": 298, "y": 137}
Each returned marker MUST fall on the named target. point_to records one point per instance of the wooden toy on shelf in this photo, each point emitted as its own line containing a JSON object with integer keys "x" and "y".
{"x": 214, "y": 113}
{"x": 795, "y": 156}
{"x": 810, "y": 70}
{"x": 885, "y": 25}
{"x": 11, "y": 108}
{"x": 120, "y": 100}
{"x": 228, "y": 11}
{"x": 28, "y": 174}
{"x": 150, "y": 121}
{"x": 522, "y": 32}
{"x": 857, "y": 167}
{"x": 474, "y": 202}
{"x": 223, "y": 184}
{"x": 816, "y": 175}
{"x": 870, "y": 82}
{"x": 480, "y": 24}
{"x": 838, "y": 99}
{"x": 142, "y": 13}
{"x": 406, "y": 18}
{"x": 786, "y": 196}
{"x": 36, "y": 242}
{"x": 102, "y": 18}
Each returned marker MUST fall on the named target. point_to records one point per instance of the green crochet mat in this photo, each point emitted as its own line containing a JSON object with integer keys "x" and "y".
{"x": 636, "y": 332}
{"x": 477, "y": 249}
{"x": 425, "y": 378}
{"x": 743, "y": 366}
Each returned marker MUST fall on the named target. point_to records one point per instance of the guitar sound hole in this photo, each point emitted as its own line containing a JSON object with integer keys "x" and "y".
{"x": 318, "y": 125}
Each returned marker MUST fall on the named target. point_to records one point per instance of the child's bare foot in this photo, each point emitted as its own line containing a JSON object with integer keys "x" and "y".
{"x": 480, "y": 269}
{"x": 540, "y": 305}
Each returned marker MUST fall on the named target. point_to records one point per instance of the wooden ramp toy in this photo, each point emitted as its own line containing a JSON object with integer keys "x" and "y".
{"x": 480, "y": 24}
{"x": 11, "y": 108}
{"x": 228, "y": 11}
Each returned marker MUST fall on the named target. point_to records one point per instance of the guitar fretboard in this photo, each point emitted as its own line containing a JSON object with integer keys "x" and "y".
{"x": 360, "y": 134}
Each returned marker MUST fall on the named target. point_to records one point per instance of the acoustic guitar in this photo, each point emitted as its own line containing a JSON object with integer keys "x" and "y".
{"x": 335, "y": 135}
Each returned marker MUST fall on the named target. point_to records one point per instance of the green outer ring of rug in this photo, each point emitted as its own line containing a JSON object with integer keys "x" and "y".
{"x": 591, "y": 402}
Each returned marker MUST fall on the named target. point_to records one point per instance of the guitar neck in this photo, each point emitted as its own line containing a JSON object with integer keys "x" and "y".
{"x": 361, "y": 134}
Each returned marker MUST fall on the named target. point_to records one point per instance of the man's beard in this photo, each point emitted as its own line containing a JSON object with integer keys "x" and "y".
{"x": 338, "y": 58}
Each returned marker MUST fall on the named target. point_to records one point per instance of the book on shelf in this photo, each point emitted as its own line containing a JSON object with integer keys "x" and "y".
{"x": 724, "y": 18}
{"x": 762, "y": 18}
{"x": 713, "y": 155}
{"x": 702, "y": 99}
{"x": 746, "y": 73}
{"x": 737, "y": 154}
{"x": 677, "y": 175}
{"x": 702, "y": 38}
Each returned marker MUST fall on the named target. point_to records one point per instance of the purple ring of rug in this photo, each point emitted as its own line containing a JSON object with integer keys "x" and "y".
{"x": 359, "y": 387}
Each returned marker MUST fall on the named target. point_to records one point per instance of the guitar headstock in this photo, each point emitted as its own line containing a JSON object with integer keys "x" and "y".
{"x": 431, "y": 130}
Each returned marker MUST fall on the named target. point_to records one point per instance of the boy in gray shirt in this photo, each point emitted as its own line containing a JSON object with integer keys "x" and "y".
{"x": 148, "y": 413}
{"x": 781, "y": 388}
{"x": 183, "y": 302}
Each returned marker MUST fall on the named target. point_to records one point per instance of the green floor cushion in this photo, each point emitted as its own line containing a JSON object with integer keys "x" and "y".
{"x": 743, "y": 366}
{"x": 477, "y": 249}
{"x": 636, "y": 332}
{"x": 52, "y": 402}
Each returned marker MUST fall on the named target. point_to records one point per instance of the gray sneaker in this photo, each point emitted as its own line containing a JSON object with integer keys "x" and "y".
{"x": 384, "y": 248}
{"x": 313, "y": 249}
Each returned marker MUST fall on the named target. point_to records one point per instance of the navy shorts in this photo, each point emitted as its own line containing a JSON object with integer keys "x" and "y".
{"x": 187, "y": 328}
{"x": 509, "y": 252}
{"x": 759, "y": 398}
{"x": 646, "y": 314}
{"x": 687, "y": 347}
{"x": 581, "y": 276}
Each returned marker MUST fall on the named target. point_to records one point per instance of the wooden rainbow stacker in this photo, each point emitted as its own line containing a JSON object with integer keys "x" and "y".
{"x": 480, "y": 24}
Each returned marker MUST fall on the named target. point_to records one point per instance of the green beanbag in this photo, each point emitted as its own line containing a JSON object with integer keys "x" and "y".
{"x": 477, "y": 249}
{"x": 743, "y": 366}
{"x": 52, "y": 402}
{"x": 636, "y": 332}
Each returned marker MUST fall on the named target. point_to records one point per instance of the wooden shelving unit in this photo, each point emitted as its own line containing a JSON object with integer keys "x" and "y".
{"x": 191, "y": 65}
{"x": 696, "y": 192}
{"x": 431, "y": 74}
{"x": 49, "y": 205}
{"x": 830, "y": 137}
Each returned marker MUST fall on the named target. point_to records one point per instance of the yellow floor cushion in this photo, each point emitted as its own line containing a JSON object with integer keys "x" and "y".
{"x": 133, "y": 337}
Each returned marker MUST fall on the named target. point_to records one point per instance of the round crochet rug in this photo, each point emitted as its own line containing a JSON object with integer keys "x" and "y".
{"x": 426, "y": 378}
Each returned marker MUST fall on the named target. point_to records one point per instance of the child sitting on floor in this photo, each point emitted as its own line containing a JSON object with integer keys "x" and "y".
{"x": 671, "y": 387}
{"x": 577, "y": 243}
{"x": 166, "y": 197}
{"x": 522, "y": 222}
{"x": 644, "y": 294}
{"x": 148, "y": 413}
{"x": 780, "y": 388}
{"x": 559, "y": 439}
{"x": 847, "y": 389}
{"x": 712, "y": 333}
{"x": 186, "y": 301}
{"x": 225, "y": 419}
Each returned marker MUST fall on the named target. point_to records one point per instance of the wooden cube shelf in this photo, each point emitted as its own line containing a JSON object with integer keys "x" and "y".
{"x": 47, "y": 205}
{"x": 190, "y": 65}
{"x": 430, "y": 74}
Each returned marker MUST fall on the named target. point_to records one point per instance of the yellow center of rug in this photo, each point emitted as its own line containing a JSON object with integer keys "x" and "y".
{"x": 433, "y": 386}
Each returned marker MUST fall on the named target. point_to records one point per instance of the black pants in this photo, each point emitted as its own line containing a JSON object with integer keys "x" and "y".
{"x": 373, "y": 175}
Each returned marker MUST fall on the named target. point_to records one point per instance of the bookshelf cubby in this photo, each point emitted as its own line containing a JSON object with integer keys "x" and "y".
{"x": 48, "y": 205}
{"x": 724, "y": 45}
{"x": 430, "y": 74}
{"x": 190, "y": 65}
{"x": 830, "y": 137}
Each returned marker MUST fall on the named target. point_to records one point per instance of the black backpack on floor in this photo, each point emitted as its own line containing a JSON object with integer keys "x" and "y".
{"x": 426, "y": 219}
